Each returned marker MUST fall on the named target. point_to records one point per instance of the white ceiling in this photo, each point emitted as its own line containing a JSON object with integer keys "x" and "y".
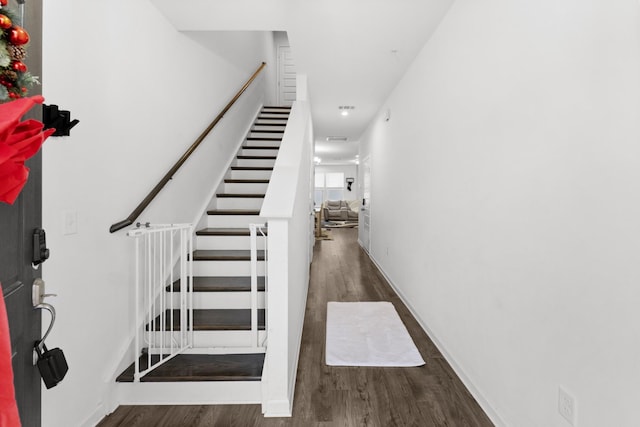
{"x": 353, "y": 51}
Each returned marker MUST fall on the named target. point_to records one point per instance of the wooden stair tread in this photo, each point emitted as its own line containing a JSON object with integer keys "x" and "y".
{"x": 283, "y": 107}
{"x": 240, "y": 195}
{"x": 270, "y": 124}
{"x": 246, "y": 181}
{"x": 251, "y": 168}
{"x": 222, "y": 284}
{"x": 260, "y": 147}
{"x": 263, "y": 138}
{"x": 267, "y": 130}
{"x": 225, "y": 255}
{"x": 210, "y": 231}
{"x": 251, "y": 212}
{"x": 201, "y": 367}
{"x": 243, "y": 157}
{"x": 219, "y": 319}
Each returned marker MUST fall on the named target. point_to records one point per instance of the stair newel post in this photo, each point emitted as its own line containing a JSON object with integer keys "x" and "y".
{"x": 138, "y": 320}
{"x": 171, "y": 295}
{"x": 158, "y": 284}
{"x": 150, "y": 309}
{"x": 190, "y": 281}
{"x": 183, "y": 290}
{"x": 254, "y": 285}
{"x": 266, "y": 281}
{"x": 188, "y": 272}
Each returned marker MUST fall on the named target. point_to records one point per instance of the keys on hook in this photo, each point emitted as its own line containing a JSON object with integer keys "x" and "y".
{"x": 51, "y": 363}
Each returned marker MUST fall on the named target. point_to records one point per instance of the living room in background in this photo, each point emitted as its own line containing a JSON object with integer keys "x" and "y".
{"x": 331, "y": 183}
{"x": 329, "y": 186}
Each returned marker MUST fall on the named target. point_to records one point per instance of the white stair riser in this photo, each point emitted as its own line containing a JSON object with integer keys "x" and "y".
{"x": 266, "y": 133}
{"x": 233, "y": 221}
{"x": 204, "y": 339}
{"x": 225, "y": 268}
{"x": 211, "y": 300}
{"x": 227, "y": 242}
{"x": 245, "y": 188}
{"x": 272, "y": 115}
{"x": 244, "y": 174}
{"x": 239, "y": 203}
{"x": 190, "y": 393}
{"x": 262, "y": 143}
{"x": 273, "y": 123}
{"x": 259, "y": 152}
{"x": 267, "y": 110}
{"x": 255, "y": 163}
{"x": 260, "y": 127}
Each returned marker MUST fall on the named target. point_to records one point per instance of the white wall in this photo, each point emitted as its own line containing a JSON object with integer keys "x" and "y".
{"x": 142, "y": 92}
{"x": 242, "y": 48}
{"x": 513, "y": 142}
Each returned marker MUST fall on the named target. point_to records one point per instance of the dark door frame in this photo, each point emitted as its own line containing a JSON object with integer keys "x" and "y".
{"x": 17, "y": 223}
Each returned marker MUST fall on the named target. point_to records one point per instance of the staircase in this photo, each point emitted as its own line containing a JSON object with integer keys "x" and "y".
{"x": 224, "y": 365}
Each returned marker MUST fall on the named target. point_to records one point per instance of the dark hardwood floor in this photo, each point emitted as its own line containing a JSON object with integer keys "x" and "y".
{"x": 430, "y": 395}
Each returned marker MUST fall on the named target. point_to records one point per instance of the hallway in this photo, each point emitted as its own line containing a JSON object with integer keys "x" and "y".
{"x": 430, "y": 395}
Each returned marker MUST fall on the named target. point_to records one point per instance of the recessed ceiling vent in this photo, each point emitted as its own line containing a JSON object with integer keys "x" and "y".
{"x": 336, "y": 139}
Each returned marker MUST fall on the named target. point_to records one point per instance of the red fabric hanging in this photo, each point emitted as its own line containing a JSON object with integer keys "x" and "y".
{"x": 18, "y": 142}
{"x": 8, "y": 408}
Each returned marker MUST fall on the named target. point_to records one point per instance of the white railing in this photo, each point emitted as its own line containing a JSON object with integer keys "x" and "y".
{"x": 254, "y": 229}
{"x": 163, "y": 293}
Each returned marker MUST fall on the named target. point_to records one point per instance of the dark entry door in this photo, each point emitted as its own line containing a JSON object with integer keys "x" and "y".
{"x": 17, "y": 223}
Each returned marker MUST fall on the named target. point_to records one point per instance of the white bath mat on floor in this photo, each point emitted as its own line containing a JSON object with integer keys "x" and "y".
{"x": 368, "y": 334}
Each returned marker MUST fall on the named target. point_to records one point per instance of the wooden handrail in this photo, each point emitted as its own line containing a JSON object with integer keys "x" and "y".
{"x": 167, "y": 177}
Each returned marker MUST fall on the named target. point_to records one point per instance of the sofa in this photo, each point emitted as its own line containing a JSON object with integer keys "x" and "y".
{"x": 339, "y": 210}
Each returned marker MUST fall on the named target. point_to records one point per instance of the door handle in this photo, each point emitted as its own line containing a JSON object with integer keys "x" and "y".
{"x": 37, "y": 292}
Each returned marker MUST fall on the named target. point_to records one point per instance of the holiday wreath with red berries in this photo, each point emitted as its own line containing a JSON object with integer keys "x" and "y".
{"x": 19, "y": 140}
{"x": 14, "y": 76}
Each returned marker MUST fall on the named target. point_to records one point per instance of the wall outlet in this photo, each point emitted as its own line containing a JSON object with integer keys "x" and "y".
{"x": 567, "y": 406}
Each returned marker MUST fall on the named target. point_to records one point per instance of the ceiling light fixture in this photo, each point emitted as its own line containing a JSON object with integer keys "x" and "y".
{"x": 336, "y": 139}
{"x": 344, "y": 109}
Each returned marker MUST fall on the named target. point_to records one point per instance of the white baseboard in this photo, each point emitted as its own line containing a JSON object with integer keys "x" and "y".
{"x": 460, "y": 372}
{"x": 190, "y": 393}
{"x": 278, "y": 408}
{"x": 97, "y": 416}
